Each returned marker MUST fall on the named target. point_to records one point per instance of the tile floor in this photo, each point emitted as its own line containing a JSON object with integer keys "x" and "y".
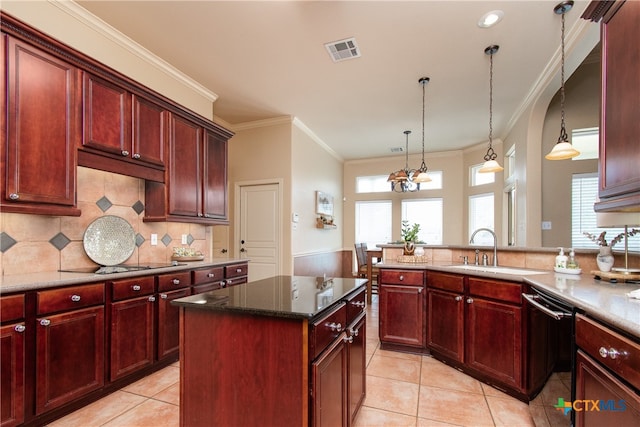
{"x": 402, "y": 390}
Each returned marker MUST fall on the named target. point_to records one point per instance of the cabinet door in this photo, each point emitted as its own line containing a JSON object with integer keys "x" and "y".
{"x": 445, "y": 325}
{"x": 69, "y": 356}
{"x": 185, "y": 169}
{"x": 619, "y": 154}
{"x": 12, "y": 374}
{"x": 149, "y": 131}
{"x": 402, "y": 315}
{"x": 131, "y": 335}
{"x": 43, "y": 131}
{"x": 169, "y": 323}
{"x": 215, "y": 176}
{"x": 618, "y": 405}
{"x": 107, "y": 116}
{"x": 494, "y": 340}
{"x": 357, "y": 367}
{"x": 329, "y": 390}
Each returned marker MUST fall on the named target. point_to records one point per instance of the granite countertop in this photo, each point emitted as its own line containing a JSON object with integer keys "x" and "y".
{"x": 600, "y": 299}
{"x": 301, "y": 297}
{"x": 33, "y": 281}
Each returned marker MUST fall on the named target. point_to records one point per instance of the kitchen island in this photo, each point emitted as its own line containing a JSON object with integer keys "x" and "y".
{"x": 287, "y": 350}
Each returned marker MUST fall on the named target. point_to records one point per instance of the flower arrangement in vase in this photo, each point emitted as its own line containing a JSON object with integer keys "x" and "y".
{"x": 605, "y": 257}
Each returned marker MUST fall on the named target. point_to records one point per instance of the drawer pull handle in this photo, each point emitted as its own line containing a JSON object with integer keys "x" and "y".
{"x": 469, "y": 300}
{"x": 459, "y": 298}
{"x": 211, "y": 275}
{"x": 176, "y": 281}
{"x": 354, "y": 332}
{"x": 136, "y": 156}
{"x": 152, "y": 298}
{"x": 238, "y": 270}
{"x": 229, "y": 282}
{"x": 401, "y": 278}
{"x": 612, "y": 353}
{"x": 124, "y": 153}
{"x": 348, "y": 339}
{"x": 136, "y": 287}
{"x": 19, "y": 328}
{"x": 45, "y": 322}
{"x": 14, "y": 196}
{"x": 336, "y": 327}
{"x": 359, "y": 304}
{"x": 223, "y": 284}
{"x": 75, "y": 298}
{"x": 163, "y": 296}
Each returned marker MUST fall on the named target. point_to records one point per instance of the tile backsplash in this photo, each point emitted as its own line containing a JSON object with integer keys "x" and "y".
{"x": 37, "y": 243}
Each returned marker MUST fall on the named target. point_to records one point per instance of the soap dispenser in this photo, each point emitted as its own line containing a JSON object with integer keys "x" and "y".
{"x": 571, "y": 262}
{"x": 561, "y": 259}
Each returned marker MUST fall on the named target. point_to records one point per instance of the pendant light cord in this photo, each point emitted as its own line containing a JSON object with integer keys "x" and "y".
{"x": 563, "y": 132}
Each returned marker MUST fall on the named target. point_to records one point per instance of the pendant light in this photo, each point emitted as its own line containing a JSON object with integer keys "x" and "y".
{"x": 563, "y": 148}
{"x": 402, "y": 180}
{"x": 490, "y": 163}
{"x": 421, "y": 173}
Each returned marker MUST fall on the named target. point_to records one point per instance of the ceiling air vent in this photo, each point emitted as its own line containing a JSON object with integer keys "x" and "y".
{"x": 343, "y": 49}
{"x": 397, "y": 149}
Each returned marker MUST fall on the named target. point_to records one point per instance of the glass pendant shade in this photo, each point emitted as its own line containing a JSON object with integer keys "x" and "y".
{"x": 422, "y": 177}
{"x": 490, "y": 166}
{"x": 562, "y": 151}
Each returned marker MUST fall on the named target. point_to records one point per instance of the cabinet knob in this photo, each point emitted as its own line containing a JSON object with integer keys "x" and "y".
{"x": 336, "y": 327}
{"x": 124, "y": 153}
{"x": 211, "y": 275}
{"x": 136, "y": 287}
{"x": 75, "y": 298}
{"x": 223, "y": 284}
{"x": 238, "y": 270}
{"x": 469, "y": 300}
{"x": 229, "y": 282}
{"x": 136, "y": 156}
{"x": 354, "y": 332}
{"x": 19, "y": 328}
{"x": 401, "y": 278}
{"x": 459, "y": 298}
{"x": 14, "y": 196}
{"x": 163, "y": 296}
{"x": 45, "y": 322}
{"x": 200, "y": 214}
{"x": 348, "y": 339}
{"x": 612, "y": 353}
{"x": 152, "y": 298}
{"x": 176, "y": 281}
{"x": 359, "y": 304}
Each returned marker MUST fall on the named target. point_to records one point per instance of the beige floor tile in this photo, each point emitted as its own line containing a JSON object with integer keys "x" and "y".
{"x": 453, "y": 406}
{"x": 392, "y": 395}
{"x": 441, "y": 375}
{"x": 394, "y": 368}
{"x": 424, "y": 422}
{"x": 492, "y": 391}
{"x": 400, "y": 355}
{"x": 553, "y": 389}
{"x": 170, "y": 395}
{"x": 150, "y": 413}
{"x": 101, "y": 411}
{"x": 557, "y": 418}
{"x": 372, "y": 417}
{"x": 508, "y": 411}
{"x": 156, "y": 382}
{"x": 539, "y": 416}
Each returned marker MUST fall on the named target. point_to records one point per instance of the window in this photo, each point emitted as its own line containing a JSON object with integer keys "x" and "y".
{"x": 478, "y": 178}
{"x": 584, "y": 190}
{"x": 586, "y": 141}
{"x": 510, "y": 162}
{"x": 373, "y": 222}
{"x": 379, "y": 184}
{"x": 481, "y": 216}
{"x": 511, "y": 215}
{"x": 427, "y": 213}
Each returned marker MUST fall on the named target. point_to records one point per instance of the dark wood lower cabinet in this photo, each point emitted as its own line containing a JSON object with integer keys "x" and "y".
{"x": 329, "y": 380}
{"x": 12, "y": 374}
{"x": 402, "y": 314}
{"x": 445, "y": 326}
{"x": 169, "y": 322}
{"x": 131, "y": 336}
{"x": 69, "y": 356}
{"x": 357, "y": 384}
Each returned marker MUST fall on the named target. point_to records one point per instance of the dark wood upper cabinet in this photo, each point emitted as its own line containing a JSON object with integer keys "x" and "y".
{"x": 42, "y": 131}
{"x": 215, "y": 176}
{"x": 149, "y": 131}
{"x": 185, "y": 171}
{"x": 620, "y": 106}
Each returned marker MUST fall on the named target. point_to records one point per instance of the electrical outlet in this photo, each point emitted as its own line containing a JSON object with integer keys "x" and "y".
{"x": 154, "y": 240}
{"x": 184, "y": 239}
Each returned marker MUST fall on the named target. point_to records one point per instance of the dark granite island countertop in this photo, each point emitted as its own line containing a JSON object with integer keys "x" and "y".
{"x": 301, "y": 297}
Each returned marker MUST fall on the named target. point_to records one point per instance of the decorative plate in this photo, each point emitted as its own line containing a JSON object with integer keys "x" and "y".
{"x": 109, "y": 240}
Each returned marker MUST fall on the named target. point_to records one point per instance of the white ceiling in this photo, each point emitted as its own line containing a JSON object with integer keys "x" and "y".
{"x": 266, "y": 59}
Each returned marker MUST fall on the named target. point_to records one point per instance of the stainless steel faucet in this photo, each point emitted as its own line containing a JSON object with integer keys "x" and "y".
{"x": 495, "y": 243}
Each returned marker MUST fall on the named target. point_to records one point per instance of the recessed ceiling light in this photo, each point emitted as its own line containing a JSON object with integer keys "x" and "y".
{"x": 490, "y": 19}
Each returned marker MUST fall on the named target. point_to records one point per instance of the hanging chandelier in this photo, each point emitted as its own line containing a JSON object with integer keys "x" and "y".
{"x": 490, "y": 163}
{"x": 403, "y": 180}
{"x": 563, "y": 148}
{"x": 421, "y": 173}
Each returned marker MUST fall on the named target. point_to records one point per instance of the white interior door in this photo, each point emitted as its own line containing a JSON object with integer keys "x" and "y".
{"x": 259, "y": 234}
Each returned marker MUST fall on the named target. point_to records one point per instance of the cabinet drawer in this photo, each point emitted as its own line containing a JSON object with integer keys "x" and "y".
{"x": 207, "y": 275}
{"x": 70, "y": 298}
{"x": 236, "y": 270}
{"x": 326, "y": 329}
{"x": 131, "y": 288}
{"x": 167, "y": 282}
{"x": 355, "y": 306}
{"x": 497, "y": 290}
{"x": 402, "y": 277}
{"x": 205, "y": 288}
{"x": 235, "y": 281}
{"x": 11, "y": 308}
{"x": 595, "y": 338}
{"x": 447, "y": 282}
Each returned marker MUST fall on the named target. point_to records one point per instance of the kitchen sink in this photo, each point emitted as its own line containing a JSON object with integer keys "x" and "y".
{"x": 498, "y": 270}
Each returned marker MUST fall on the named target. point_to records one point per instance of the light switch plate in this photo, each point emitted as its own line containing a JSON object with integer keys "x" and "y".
{"x": 184, "y": 239}
{"x": 546, "y": 225}
{"x": 154, "y": 240}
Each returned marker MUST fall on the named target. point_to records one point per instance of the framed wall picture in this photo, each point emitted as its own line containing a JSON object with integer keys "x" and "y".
{"x": 324, "y": 203}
